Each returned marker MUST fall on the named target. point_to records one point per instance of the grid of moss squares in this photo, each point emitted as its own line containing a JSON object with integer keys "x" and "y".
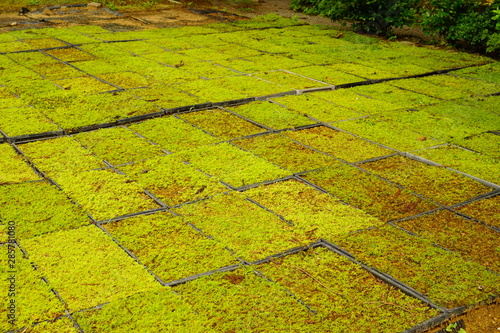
{"x": 470, "y": 239}
{"x": 38, "y": 208}
{"x": 166, "y": 96}
{"x": 86, "y": 267}
{"x": 60, "y": 155}
{"x": 317, "y": 108}
{"x": 316, "y": 214}
{"x": 442, "y": 185}
{"x": 446, "y": 278}
{"x": 34, "y": 301}
{"x": 159, "y": 310}
{"x": 486, "y": 210}
{"x": 173, "y": 181}
{"x": 344, "y": 296}
{"x": 118, "y": 145}
{"x": 282, "y": 151}
{"x": 467, "y": 161}
{"x": 13, "y": 167}
{"x": 339, "y": 144}
{"x": 221, "y": 123}
{"x": 242, "y": 301}
{"x": 245, "y": 228}
{"x": 272, "y": 115}
{"x": 104, "y": 193}
{"x": 168, "y": 247}
{"x": 232, "y": 165}
{"x": 173, "y": 134}
{"x": 368, "y": 192}
{"x": 388, "y": 133}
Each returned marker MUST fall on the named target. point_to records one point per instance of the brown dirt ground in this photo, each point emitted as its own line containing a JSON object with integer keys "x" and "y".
{"x": 482, "y": 319}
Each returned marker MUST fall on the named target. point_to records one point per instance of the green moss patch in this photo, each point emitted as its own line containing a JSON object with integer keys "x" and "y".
{"x": 357, "y": 102}
{"x": 14, "y": 46}
{"x": 363, "y": 71}
{"x": 489, "y": 72}
{"x": 104, "y": 193}
{"x": 467, "y": 161}
{"x": 158, "y": 309}
{"x": 86, "y": 267}
{"x": 70, "y": 54}
{"x": 33, "y": 299}
{"x": 317, "y": 108}
{"x": 317, "y": 214}
{"x": 470, "y": 239}
{"x": 38, "y": 208}
{"x": 61, "y": 154}
{"x": 486, "y": 210}
{"x": 102, "y": 51}
{"x": 45, "y": 43}
{"x": 33, "y": 60}
{"x": 118, "y": 145}
{"x": 13, "y": 167}
{"x": 173, "y": 181}
{"x": 169, "y": 247}
{"x": 205, "y": 69}
{"x": 166, "y": 96}
{"x": 338, "y": 144}
{"x": 437, "y": 183}
{"x": 206, "y": 90}
{"x": 221, "y": 123}
{"x": 98, "y": 67}
{"x": 272, "y": 115}
{"x": 22, "y": 121}
{"x": 139, "y": 47}
{"x": 443, "y": 276}
{"x": 233, "y": 165}
{"x": 173, "y": 134}
{"x": 344, "y": 296}
{"x": 369, "y": 193}
{"x": 249, "y": 85}
{"x": 126, "y": 80}
{"x": 289, "y": 80}
{"x": 58, "y": 71}
{"x": 388, "y": 133}
{"x": 84, "y": 85}
{"x": 245, "y": 228}
{"x": 327, "y": 74}
{"x": 270, "y": 20}
{"x": 284, "y": 152}
{"x": 485, "y": 143}
{"x": 174, "y": 59}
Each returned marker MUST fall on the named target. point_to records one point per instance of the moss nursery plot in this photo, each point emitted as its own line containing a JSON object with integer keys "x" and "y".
{"x": 168, "y": 247}
{"x": 486, "y": 210}
{"x": 13, "y": 167}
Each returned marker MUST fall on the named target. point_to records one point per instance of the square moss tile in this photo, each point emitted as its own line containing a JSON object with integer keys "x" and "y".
{"x": 139, "y": 47}
{"x": 327, "y": 74}
{"x": 485, "y": 210}
{"x": 285, "y": 153}
{"x": 289, "y": 80}
{"x": 357, "y": 102}
{"x": 206, "y": 90}
{"x": 169, "y": 247}
{"x": 345, "y": 297}
{"x": 437, "y": 183}
{"x": 118, "y": 145}
{"x": 205, "y": 53}
{"x": 368, "y": 192}
{"x": 443, "y": 276}
{"x": 62, "y": 325}
{"x": 485, "y": 143}
{"x": 70, "y": 54}
{"x": 89, "y": 29}
{"x": 86, "y": 267}
{"x": 206, "y": 69}
{"x": 126, "y": 80}
{"x": 98, "y": 67}
{"x": 387, "y": 133}
{"x": 246, "y": 65}
{"x": 159, "y": 309}
{"x": 33, "y": 60}
{"x": 272, "y": 115}
{"x": 233, "y": 165}
{"x": 338, "y": 144}
{"x": 470, "y": 239}
{"x": 240, "y": 301}
{"x": 489, "y": 72}
{"x": 388, "y": 93}
{"x": 105, "y": 194}
{"x": 249, "y": 85}
{"x": 248, "y": 230}
{"x": 23, "y": 121}
{"x": 400, "y": 66}
{"x": 13, "y": 167}
{"x": 38, "y": 208}
{"x": 472, "y": 163}
{"x": 221, "y": 123}
{"x": 316, "y": 214}
{"x": 173, "y": 134}
{"x": 172, "y": 43}
{"x": 69, "y": 35}
{"x": 102, "y": 51}
{"x": 167, "y": 75}
{"x": 174, "y": 59}
{"x": 15, "y": 46}
{"x": 84, "y": 85}
{"x": 58, "y": 71}
{"x": 270, "y": 62}
{"x": 235, "y": 50}
{"x": 166, "y": 96}
{"x": 173, "y": 181}
{"x": 45, "y": 43}
{"x": 32, "y": 299}
{"x": 61, "y": 154}
{"x": 366, "y": 72}
{"x": 81, "y": 111}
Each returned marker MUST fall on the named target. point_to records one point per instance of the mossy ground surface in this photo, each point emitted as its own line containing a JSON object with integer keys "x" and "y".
{"x": 211, "y": 155}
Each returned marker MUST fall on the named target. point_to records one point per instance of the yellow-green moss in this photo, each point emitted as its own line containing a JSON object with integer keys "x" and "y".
{"x": 350, "y": 99}
{"x": 290, "y": 80}
{"x": 70, "y": 54}
{"x": 13, "y": 167}
{"x": 62, "y": 325}
{"x": 486, "y": 210}
{"x": 23, "y": 121}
